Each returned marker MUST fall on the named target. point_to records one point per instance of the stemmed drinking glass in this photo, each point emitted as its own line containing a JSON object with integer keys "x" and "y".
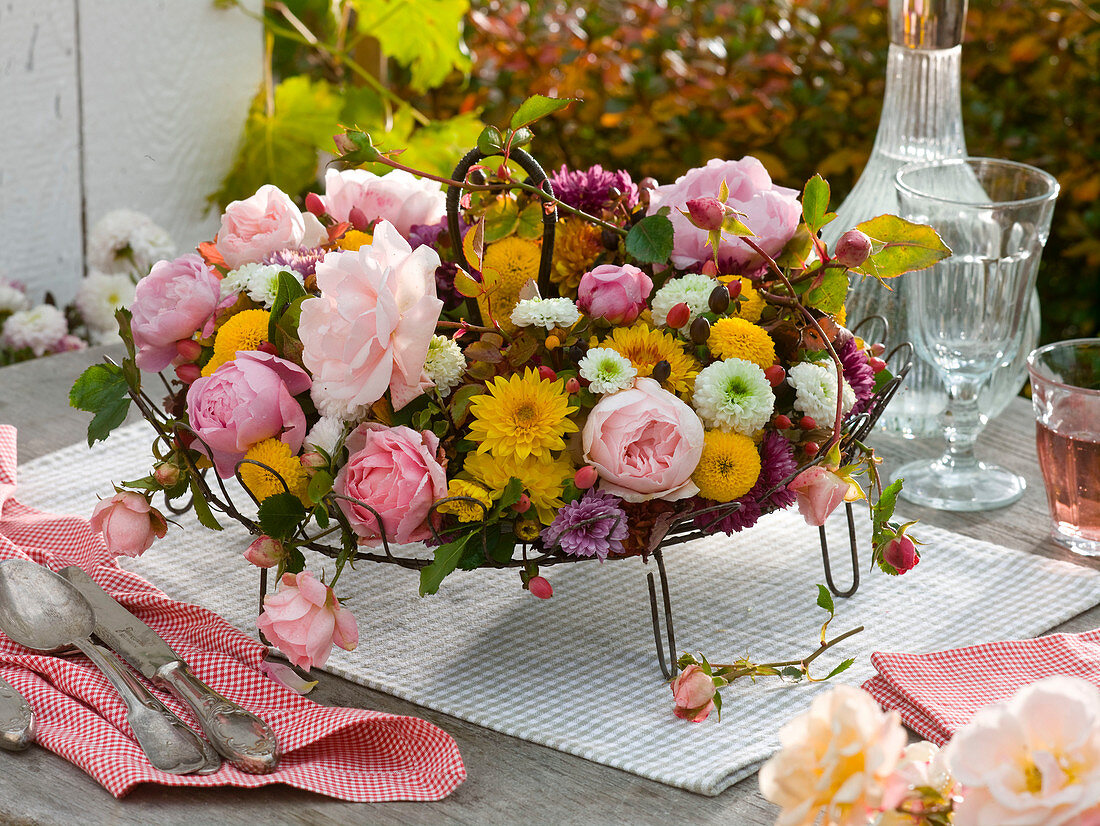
{"x": 967, "y": 311}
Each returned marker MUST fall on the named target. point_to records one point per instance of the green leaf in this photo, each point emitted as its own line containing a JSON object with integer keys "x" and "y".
{"x": 144, "y": 483}
{"x": 424, "y": 36}
{"x": 320, "y": 513}
{"x": 815, "y": 204}
{"x": 825, "y": 599}
{"x": 319, "y": 485}
{"x": 296, "y": 561}
{"x": 829, "y": 295}
{"x": 501, "y": 219}
{"x": 490, "y": 141}
{"x": 280, "y": 514}
{"x": 884, "y": 507}
{"x": 530, "y": 221}
{"x": 791, "y": 674}
{"x": 436, "y": 146}
{"x": 882, "y": 378}
{"x": 650, "y": 240}
{"x": 285, "y": 332}
{"x": 202, "y": 507}
{"x": 124, "y": 317}
{"x": 735, "y": 226}
{"x": 797, "y": 249}
{"x": 844, "y": 666}
{"x": 718, "y": 704}
{"x": 287, "y": 290}
{"x": 103, "y": 391}
{"x": 511, "y": 493}
{"x": 535, "y": 107}
{"x": 900, "y": 247}
{"x": 446, "y": 560}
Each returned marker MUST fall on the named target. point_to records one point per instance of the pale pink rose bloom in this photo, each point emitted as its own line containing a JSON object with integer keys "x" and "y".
{"x": 245, "y": 401}
{"x": 1032, "y": 759}
{"x": 614, "y": 293}
{"x": 838, "y": 756}
{"x": 644, "y": 442}
{"x": 396, "y": 472}
{"x": 304, "y": 619}
{"x": 771, "y": 212}
{"x": 922, "y": 766}
{"x": 128, "y": 522}
{"x": 171, "y": 304}
{"x": 371, "y": 326}
{"x": 693, "y": 692}
{"x": 398, "y": 197}
{"x": 267, "y": 222}
{"x": 819, "y": 492}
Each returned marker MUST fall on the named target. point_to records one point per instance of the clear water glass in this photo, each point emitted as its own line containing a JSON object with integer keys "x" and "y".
{"x": 967, "y": 312}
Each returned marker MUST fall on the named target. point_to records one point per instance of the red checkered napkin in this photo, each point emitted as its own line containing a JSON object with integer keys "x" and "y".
{"x": 938, "y": 693}
{"x": 347, "y": 753}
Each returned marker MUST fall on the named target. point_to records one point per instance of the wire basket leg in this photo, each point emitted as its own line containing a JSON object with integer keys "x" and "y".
{"x": 667, "y": 660}
{"x": 853, "y": 545}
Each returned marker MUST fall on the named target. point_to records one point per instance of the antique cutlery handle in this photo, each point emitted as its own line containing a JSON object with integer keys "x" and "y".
{"x": 16, "y": 719}
{"x": 240, "y": 736}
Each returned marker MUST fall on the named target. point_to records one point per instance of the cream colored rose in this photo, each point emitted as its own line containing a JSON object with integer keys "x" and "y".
{"x": 836, "y": 757}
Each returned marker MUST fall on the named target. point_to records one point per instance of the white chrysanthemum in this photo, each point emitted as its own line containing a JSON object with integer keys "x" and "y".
{"x": 445, "y": 363}
{"x": 128, "y": 242}
{"x": 815, "y": 391}
{"x": 100, "y": 294}
{"x": 733, "y": 395}
{"x": 263, "y": 282}
{"x": 13, "y": 296}
{"x": 325, "y": 435}
{"x": 41, "y": 329}
{"x": 693, "y": 289}
{"x": 606, "y": 370}
{"x": 547, "y": 313}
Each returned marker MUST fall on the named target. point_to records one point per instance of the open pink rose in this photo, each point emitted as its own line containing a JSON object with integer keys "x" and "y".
{"x": 128, "y": 522}
{"x": 244, "y": 402}
{"x": 819, "y": 491}
{"x": 395, "y": 471}
{"x": 398, "y": 197}
{"x": 645, "y": 443}
{"x": 615, "y": 294}
{"x": 771, "y": 212}
{"x": 693, "y": 692}
{"x": 371, "y": 326}
{"x": 264, "y": 223}
{"x": 304, "y": 619}
{"x": 171, "y": 303}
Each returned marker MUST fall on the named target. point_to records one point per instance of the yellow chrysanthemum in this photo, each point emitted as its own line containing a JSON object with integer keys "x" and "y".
{"x": 353, "y": 239}
{"x": 645, "y": 347}
{"x": 841, "y": 316}
{"x": 577, "y": 245}
{"x": 543, "y": 478}
{"x": 277, "y": 456}
{"x": 729, "y": 466}
{"x": 735, "y": 338}
{"x": 464, "y": 510}
{"x": 751, "y": 302}
{"x": 522, "y": 416}
{"x": 244, "y": 331}
{"x": 508, "y": 264}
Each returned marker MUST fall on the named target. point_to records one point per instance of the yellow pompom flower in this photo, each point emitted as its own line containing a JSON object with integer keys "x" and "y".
{"x": 262, "y": 483}
{"x": 543, "y": 478}
{"x": 645, "y": 347}
{"x": 521, "y": 416}
{"x": 735, "y": 338}
{"x": 841, "y": 316}
{"x": 245, "y": 331}
{"x": 353, "y": 239}
{"x": 729, "y": 466}
{"x": 464, "y": 510}
{"x": 577, "y": 245}
{"x": 508, "y": 264}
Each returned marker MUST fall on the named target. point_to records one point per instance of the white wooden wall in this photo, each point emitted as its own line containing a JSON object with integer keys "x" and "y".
{"x": 108, "y": 104}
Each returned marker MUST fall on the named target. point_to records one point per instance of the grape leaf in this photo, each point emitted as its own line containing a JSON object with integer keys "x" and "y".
{"x": 425, "y": 36}
{"x": 900, "y": 246}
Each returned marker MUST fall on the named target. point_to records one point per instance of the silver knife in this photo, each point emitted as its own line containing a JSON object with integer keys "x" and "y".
{"x": 240, "y": 736}
{"x": 16, "y": 719}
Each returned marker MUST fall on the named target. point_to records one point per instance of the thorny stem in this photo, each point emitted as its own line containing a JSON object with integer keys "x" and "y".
{"x": 735, "y": 671}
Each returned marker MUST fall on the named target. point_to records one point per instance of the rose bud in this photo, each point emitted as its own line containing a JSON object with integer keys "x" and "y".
{"x": 852, "y": 248}
{"x": 546, "y": 373}
{"x": 358, "y": 219}
{"x": 585, "y": 477}
{"x": 706, "y": 213}
{"x": 678, "y": 316}
{"x": 719, "y": 300}
{"x": 523, "y": 504}
{"x": 700, "y": 330}
{"x": 314, "y": 204}
{"x": 807, "y": 422}
{"x": 572, "y": 385}
{"x": 693, "y": 692}
{"x": 265, "y": 552}
{"x": 775, "y": 375}
{"x": 166, "y": 474}
{"x": 188, "y": 373}
{"x": 616, "y": 294}
{"x": 313, "y": 460}
{"x": 782, "y": 422}
{"x": 877, "y": 364}
{"x": 818, "y": 491}
{"x": 540, "y": 587}
{"x": 128, "y": 522}
{"x": 901, "y": 553}
{"x": 878, "y": 349}
{"x": 661, "y": 371}
{"x": 734, "y": 288}
{"x": 188, "y": 349}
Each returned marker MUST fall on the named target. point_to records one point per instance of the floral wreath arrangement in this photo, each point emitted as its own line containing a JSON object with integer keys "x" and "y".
{"x": 520, "y": 370}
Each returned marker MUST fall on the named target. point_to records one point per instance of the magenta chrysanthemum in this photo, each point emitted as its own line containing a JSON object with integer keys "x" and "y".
{"x": 777, "y": 461}
{"x": 745, "y": 516}
{"x": 588, "y": 189}
{"x": 594, "y": 525}
{"x": 858, "y": 374}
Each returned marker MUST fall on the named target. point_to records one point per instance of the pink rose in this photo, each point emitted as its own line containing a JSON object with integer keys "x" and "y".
{"x": 267, "y": 222}
{"x": 819, "y": 491}
{"x": 645, "y": 443}
{"x": 128, "y": 522}
{"x": 395, "y": 471}
{"x": 371, "y": 326}
{"x": 305, "y": 619}
{"x": 771, "y": 212}
{"x": 693, "y": 692}
{"x": 244, "y": 402}
{"x": 171, "y": 304}
{"x": 398, "y": 197}
{"x": 615, "y": 294}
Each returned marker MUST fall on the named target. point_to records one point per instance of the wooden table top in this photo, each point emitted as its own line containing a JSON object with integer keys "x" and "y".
{"x": 510, "y": 780}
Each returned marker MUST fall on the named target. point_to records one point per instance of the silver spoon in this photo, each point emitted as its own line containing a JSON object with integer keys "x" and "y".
{"x": 40, "y": 610}
{"x": 16, "y": 719}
